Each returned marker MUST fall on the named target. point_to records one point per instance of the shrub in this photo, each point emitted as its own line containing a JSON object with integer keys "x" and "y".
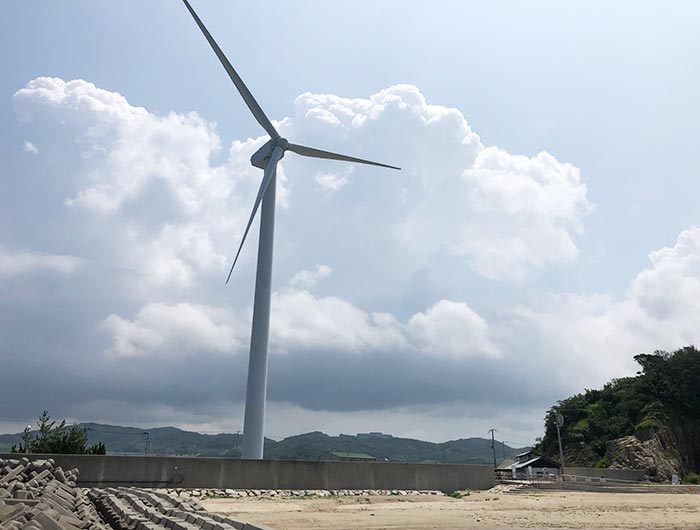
{"x": 692, "y": 478}
{"x": 57, "y": 439}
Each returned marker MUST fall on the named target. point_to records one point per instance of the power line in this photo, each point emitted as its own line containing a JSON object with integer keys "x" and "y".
{"x": 521, "y": 444}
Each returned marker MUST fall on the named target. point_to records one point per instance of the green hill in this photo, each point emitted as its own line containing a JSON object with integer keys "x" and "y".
{"x": 309, "y": 446}
{"x": 649, "y": 421}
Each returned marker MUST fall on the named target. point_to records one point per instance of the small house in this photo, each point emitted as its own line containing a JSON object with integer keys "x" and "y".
{"x": 527, "y": 465}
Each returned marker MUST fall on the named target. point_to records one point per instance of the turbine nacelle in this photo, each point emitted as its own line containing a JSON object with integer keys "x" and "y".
{"x": 260, "y": 157}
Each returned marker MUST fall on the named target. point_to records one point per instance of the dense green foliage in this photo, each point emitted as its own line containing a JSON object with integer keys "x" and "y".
{"x": 57, "y": 439}
{"x": 309, "y": 446}
{"x": 664, "y": 392}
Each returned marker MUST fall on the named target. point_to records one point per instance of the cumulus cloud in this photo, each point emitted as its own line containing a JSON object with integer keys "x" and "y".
{"x": 669, "y": 290}
{"x": 173, "y": 330}
{"x": 133, "y": 146}
{"x": 508, "y": 215}
{"x": 158, "y": 209}
{"x": 13, "y": 263}
{"x": 451, "y": 329}
{"x": 600, "y": 334}
{"x": 145, "y": 178}
{"x": 543, "y": 202}
{"x": 303, "y": 322}
{"x": 308, "y": 279}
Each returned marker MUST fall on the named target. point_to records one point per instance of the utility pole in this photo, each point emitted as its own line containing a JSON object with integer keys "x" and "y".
{"x": 238, "y": 435}
{"x": 504, "y": 449}
{"x": 146, "y": 443}
{"x": 559, "y": 421}
{"x": 493, "y": 446}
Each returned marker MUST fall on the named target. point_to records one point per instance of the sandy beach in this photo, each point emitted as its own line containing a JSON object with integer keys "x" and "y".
{"x": 478, "y": 510}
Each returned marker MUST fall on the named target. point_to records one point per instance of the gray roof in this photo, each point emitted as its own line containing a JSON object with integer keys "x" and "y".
{"x": 537, "y": 461}
{"x": 544, "y": 462}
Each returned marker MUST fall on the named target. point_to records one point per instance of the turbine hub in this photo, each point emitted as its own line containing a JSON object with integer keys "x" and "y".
{"x": 260, "y": 157}
{"x": 282, "y": 142}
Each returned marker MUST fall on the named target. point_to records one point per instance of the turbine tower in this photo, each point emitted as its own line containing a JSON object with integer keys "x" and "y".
{"x": 265, "y": 158}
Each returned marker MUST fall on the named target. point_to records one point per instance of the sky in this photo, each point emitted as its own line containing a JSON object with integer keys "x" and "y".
{"x": 542, "y": 232}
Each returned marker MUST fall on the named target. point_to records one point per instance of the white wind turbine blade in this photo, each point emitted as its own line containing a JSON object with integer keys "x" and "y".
{"x": 318, "y": 153}
{"x": 270, "y": 168}
{"x": 240, "y": 85}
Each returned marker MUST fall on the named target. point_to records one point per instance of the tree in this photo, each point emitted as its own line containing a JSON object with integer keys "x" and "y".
{"x": 662, "y": 395}
{"x": 57, "y": 439}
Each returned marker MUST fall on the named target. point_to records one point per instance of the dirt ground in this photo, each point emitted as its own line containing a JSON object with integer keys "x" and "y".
{"x": 479, "y": 510}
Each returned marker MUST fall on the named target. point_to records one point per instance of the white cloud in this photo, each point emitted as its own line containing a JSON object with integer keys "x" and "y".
{"x": 13, "y": 263}
{"x": 30, "y": 148}
{"x": 529, "y": 210}
{"x": 173, "y": 331}
{"x": 509, "y": 215}
{"x": 153, "y": 203}
{"x": 670, "y": 289}
{"x": 147, "y": 179}
{"x": 151, "y": 179}
{"x": 330, "y": 181}
{"x": 302, "y": 322}
{"x": 599, "y": 335}
{"x": 308, "y": 279}
{"x": 451, "y": 329}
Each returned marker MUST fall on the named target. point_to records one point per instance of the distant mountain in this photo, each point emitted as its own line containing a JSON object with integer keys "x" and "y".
{"x": 309, "y": 446}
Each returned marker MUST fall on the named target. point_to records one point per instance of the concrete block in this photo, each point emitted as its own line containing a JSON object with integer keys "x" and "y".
{"x": 14, "y": 473}
{"x": 14, "y": 512}
{"x": 48, "y": 523}
{"x": 67, "y": 519}
{"x": 168, "y": 522}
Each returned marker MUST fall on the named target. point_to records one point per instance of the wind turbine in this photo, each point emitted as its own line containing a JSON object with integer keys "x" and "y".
{"x": 265, "y": 158}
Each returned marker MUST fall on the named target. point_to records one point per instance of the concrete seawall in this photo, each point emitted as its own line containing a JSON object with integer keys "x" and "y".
{"x": 221, "y": 473}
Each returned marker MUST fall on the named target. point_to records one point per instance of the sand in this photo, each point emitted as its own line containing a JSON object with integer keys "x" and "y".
{"x": 480, "y": 510}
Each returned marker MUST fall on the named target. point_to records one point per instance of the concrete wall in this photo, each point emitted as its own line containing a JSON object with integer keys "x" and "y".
{"x": 616, "y": 474}
{"x": 189, "y": 472}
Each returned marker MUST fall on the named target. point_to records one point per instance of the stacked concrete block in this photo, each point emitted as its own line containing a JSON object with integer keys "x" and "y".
{"x": 139, "y": 509}
{"x": 38, "y": 495}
